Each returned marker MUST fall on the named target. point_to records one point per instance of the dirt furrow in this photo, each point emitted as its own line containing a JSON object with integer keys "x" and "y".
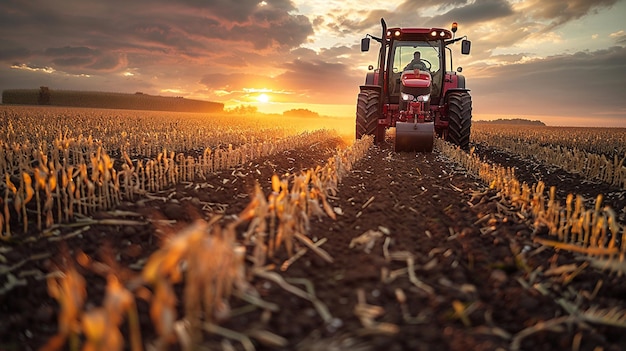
{"x": 468, "y": 295}
{"x": 532, "y": 171}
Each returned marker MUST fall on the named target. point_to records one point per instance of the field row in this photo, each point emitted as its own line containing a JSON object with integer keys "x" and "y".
{"x": 140, "y": 133}
{"x": 610, "y": 142}
{"x": 595, "y": 232}
{"x": 214, "y": 258}
{"x": 56, "y": 163}
{"x": 567, "y": 149}
{"x": 56, "y": 190}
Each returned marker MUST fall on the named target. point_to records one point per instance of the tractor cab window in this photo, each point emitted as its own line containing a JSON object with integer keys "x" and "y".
{"x": 403, "y": 53}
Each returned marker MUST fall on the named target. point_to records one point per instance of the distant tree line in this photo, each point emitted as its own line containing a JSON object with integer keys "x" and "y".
{"x": 44, "y": 96}
{"x": 243, "y": 110}
{"x": 300, "y": 112}
{"x": 513, "y": 121}
{"x": 91, "y": 99}
{"x": 252, "y": 110}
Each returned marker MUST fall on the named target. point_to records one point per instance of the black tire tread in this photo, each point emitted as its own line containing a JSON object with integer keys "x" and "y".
{"x": 459, "y": 118}
{"x": 367, "y": 114}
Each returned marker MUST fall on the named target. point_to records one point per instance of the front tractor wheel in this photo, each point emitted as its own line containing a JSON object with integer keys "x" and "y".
{"x": 367, "y": 115}
{"x": 459, "y": 119}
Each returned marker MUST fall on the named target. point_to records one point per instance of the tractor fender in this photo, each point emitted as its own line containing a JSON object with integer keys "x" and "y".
{"x": 456, "y": 89}
{"x": 460, "y": 81}
{"x": 453, "y": 81}
{"x": 374, "y": 87}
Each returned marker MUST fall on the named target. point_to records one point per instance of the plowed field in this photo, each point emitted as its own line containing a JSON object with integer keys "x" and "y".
{"x": 447, "y": 264}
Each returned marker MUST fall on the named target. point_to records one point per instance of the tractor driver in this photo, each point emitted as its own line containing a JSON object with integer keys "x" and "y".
{"x": 416, "y": 63}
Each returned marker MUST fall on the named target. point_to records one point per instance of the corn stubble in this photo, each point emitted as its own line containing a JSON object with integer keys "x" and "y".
{"x": 62, "y": 177}
{"x": 593, "y": 233}
{"x": 596, "y": 154}
{"x": 210, "y": 262}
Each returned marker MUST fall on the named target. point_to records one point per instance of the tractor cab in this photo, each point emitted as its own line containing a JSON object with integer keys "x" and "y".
{"x": 414, "y": 89}
{"x": 408, "y": 83}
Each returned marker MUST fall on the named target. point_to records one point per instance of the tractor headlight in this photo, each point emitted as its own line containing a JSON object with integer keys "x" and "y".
{"x": 407, "y": 97}
{"x": 423, "y": 98}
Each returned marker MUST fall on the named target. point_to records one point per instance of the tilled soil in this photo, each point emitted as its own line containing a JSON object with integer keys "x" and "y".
{"x": 532, "y": 171}
{"x": 471, "y": 254}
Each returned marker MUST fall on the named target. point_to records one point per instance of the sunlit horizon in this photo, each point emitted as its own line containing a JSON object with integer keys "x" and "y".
{"x": 349, "y": 111}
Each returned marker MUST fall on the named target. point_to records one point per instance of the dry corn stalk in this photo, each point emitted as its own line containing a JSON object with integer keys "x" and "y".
{"x": 84, "y": 170}
{"x": 578, "y": 229}
{"x": 70, "y": 291}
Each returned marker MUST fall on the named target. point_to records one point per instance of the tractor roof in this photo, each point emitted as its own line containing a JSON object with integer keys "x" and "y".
{"x": 418, "y": 33}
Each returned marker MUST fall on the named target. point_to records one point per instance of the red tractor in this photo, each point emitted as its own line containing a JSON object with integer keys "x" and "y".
{"x": 415, "y": 90}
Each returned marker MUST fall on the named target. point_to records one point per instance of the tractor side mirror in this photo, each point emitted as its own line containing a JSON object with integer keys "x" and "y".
{"x": 365, "y": 44}
{"x": 465, "y": 46}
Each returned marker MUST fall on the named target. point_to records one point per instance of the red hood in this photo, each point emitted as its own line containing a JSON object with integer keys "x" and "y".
{"x": 416, "y": 79}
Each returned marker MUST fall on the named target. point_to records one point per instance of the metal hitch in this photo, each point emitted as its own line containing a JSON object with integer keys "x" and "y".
{"x": 411, "y": 136}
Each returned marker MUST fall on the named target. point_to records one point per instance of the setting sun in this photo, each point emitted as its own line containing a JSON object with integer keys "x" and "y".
{"x": 263, "y": 98}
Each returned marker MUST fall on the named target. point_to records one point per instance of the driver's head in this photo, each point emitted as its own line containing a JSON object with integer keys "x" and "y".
{"x": 417, "y": 55}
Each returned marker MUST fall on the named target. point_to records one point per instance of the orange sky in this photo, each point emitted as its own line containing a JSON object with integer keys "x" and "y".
{"x": 562, "y": 60}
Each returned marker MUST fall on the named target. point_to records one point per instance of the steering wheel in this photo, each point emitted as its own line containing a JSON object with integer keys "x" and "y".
{"x": 428, "y": 64}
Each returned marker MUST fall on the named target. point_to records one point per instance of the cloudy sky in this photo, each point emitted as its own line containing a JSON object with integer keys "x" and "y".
{"x": 560, "y": 61}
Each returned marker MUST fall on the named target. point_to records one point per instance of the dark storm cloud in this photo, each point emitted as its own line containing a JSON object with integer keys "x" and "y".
{"x": 10, "y": 54}
{"x": 67, "y": 33}
{"x": 110, "y": 62}
{"x": 72, "y": 61}
{"x": 288, "y": 32}
{"x": 78, "y": 59}
{"x": 239, "y": 10}
{"x": 68, "y": 56}
{"x": 411, "y": 6}
{"x": 360, "y": 21}
{"x": 467, "y": 13}
{"x": 231, "y": 82}
{"x": 475, "y": 13}
{"x": 583, "y": 83}
{"x": 325, "y": 82}
{"x": 72, "y": 51}
{"x": 411, "y": 11}
{"x": 559, "y": 12}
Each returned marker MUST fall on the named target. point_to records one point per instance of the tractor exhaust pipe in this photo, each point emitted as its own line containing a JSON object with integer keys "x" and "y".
{"x": 382, "y": 55}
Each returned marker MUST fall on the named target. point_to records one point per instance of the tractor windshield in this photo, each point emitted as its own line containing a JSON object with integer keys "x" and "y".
{"x": 403, "y": 53}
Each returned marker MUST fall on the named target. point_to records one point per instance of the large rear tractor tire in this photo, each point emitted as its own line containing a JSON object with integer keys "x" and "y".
{"x": 459, "y": 119}
{"x": 367, "y": 115}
